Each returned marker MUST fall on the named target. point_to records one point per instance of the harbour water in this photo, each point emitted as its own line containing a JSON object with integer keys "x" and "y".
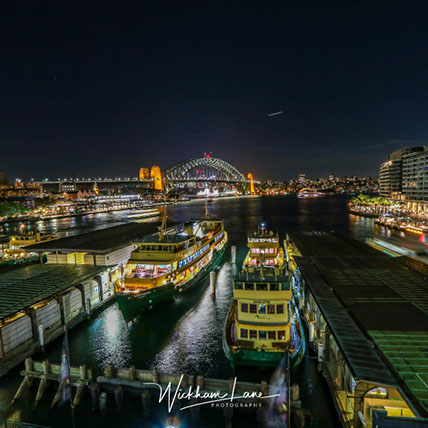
{"x": 186, "y": 336}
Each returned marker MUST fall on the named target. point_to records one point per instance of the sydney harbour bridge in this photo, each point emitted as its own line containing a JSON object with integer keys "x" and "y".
{"x": 202, "y": 172}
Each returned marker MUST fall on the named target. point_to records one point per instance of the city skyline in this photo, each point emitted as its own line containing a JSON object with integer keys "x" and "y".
{"x": 104, "y": 91}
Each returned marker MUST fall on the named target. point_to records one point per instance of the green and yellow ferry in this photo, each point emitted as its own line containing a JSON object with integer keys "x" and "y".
{"x": 169, "y": 262}
{"x": 262, "y": 324}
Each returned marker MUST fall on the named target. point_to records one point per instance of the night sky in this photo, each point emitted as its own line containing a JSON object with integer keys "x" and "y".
{"x": 101, "y": 89}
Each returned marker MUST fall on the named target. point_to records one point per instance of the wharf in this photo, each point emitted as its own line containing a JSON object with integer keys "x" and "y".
{"x": 146, "y": 385}
{"x": 37, "y": 301}
{"x": 367, "y": 315}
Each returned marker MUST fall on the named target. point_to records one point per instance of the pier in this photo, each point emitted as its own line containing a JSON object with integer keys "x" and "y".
{"x": 367, "y": 316}
{"x": 120, "y": 383}
{"x": 37, "y": 301}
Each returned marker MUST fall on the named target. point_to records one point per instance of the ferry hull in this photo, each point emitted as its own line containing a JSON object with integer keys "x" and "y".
{"x": 132, "y": 305}
{"x": 261, "y": 358}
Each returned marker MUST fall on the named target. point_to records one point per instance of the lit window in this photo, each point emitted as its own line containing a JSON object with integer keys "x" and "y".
{"x": 271, "y": 309}
{"x": 262, "y": 308}
{"x": 281, "y": 335}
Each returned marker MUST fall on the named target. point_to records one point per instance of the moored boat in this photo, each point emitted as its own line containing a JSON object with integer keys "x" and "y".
{"x": 262, "y": 324}
{"x": 169, "y": 262}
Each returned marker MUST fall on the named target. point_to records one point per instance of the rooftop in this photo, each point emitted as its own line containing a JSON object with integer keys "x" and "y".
{"x": 366, "y": 296}
{"x": 99, "y": 241}
{"x": 28, "y": 285}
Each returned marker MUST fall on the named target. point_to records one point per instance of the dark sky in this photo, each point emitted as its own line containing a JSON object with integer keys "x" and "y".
{"x": 104, "y": 88}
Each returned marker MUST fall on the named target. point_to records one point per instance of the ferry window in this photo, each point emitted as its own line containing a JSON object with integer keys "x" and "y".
{"x": 249, "y": 286}
{"x": 281, "y": 335}
{"x": 285, "y": 286}
{"x": 159, "y": 248}
{"x": 253, "y": 334}
{"x": 261, "y": 287}
{"x": 253, "y": 309}
{"x": 244, "y": 333}
{"x": 262, "y": 308}
{"x": 238, "y": 286}
{"x": 272, "y": 335}
{"x": 274, "y": 287}
{"x": 279, "y": 309}
{"x": 271, "y": 309}
{"x": 262, "y": 334}
{"x": 244, "y": 307}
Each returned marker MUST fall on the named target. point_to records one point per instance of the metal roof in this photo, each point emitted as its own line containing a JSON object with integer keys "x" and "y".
{"x": 363, "y": 360}
{"x": 368, "y": 298}
{"x": 26, "y": 286}
{"x": 99, "y": 241}
{"x": 408, "y": 355}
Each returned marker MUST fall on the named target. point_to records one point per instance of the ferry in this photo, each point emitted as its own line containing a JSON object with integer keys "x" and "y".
{"x": 169, "y": 262}
{"x": 309, "y": 193}
{"x": 146, "y": 213}
{"x": 262, "y": 324}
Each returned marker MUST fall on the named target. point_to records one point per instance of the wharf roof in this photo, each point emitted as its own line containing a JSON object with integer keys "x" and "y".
{"x": 365, "y": 296}
{"x": 23, "y": 287}
{"x": 99, "y": 241}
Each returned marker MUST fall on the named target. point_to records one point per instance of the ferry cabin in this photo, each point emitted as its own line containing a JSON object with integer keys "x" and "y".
{"x": 262, "y": 311}
{"x": 264, "y": 251}
{"x": 173, "y": 257}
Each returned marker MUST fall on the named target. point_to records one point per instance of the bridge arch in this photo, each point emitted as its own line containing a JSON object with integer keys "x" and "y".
{"x": 191, "y": 168}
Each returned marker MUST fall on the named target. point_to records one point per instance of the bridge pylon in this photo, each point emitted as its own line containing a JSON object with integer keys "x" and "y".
{"x": 251, "y": 178}
{"x": 156, "y": 174}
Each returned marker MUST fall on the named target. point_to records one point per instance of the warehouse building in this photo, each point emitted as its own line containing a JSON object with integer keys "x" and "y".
{"x": 367, "y": 317}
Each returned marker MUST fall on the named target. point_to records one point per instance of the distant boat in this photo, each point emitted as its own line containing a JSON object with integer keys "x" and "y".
{"x": 309, "y": 193}
{"x": 151, "y": 212}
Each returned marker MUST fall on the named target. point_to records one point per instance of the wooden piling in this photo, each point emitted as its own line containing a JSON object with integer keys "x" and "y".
{"x": 29, "y": 364}
{"x": 132, "y": 373}
{"x": 109, "y": 372}
{"x": 200, "y": 381}
{"x": 79, "y": 394}
{"x": 83, "y": 372}
{"x": 155, "y": 376}
{"x": 57, "y": 396}
{"x": 264, "y": 387}
{"x": 228, "y": 416}
{"x": 21, "y": 389}
{"x": 146, "y": 401}
{"x": 118, "y": 396}
{"x": 40, "y": 391}
{"x": 46, "y": 367}
{"x": 95, "y": 395}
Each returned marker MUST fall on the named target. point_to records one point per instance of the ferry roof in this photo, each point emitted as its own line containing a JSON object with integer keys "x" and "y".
{"x": 99, "y": 241}
{"x": 23, "y": 287}
{"x": 166, "y": 239}
{"x": 368, "y": 298}
{"x": 256, "y": 277}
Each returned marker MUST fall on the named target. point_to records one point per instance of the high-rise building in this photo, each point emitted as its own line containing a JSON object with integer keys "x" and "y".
{"x": 3, "y": 178}
{"x": 391, "y": 173}
{"x": 415, "y": 175}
